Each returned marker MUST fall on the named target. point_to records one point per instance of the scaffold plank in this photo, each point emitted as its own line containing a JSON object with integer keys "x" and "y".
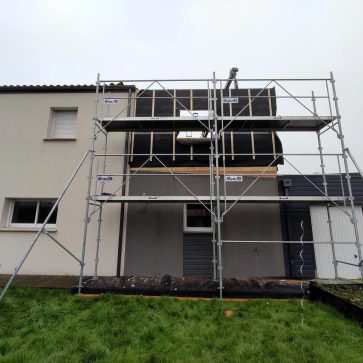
{"x": 206, "y": 199}
{"x": 191, "y": 123}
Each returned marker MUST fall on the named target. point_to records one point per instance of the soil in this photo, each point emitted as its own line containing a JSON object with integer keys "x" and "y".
{"x": 351, "y": 293}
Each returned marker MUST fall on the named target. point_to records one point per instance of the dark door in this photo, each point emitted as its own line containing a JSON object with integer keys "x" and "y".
{"x": 292, "y": 215}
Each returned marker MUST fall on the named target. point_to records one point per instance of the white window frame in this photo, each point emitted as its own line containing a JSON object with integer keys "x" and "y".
{"x": 54, "y": 110}
{"x": 29, "y": 225}
{"x": 194, "y": 229}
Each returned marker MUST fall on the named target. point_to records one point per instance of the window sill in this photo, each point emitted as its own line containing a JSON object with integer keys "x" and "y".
{"x": 14, "y": 229}
{"x": 59, "y": 139}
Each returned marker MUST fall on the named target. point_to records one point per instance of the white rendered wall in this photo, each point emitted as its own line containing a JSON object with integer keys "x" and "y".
{"x": 31, "y": 167}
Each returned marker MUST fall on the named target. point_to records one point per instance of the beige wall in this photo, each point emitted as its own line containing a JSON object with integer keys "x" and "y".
{"x": 31, "y": 167}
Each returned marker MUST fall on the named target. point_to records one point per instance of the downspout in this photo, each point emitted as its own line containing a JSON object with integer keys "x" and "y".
{"x": 123, "y": 190}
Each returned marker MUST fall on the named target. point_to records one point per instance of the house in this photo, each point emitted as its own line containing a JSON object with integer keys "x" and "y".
{"x": 46, "y": 131}
{"x": 165, "y": 193}
{"x": 176, "y": 238}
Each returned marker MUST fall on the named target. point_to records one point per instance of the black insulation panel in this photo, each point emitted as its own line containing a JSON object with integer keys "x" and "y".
{"x": 163, "y": 144}
{"x": 161, "y": 103}
{"x": 197, "y": 99}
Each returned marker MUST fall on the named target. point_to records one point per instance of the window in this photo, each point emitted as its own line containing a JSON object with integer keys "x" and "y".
{"x": 63, "y": 124}
{"x": 31, "y": 213}
{"x": 197, "y": 218}
{"x": 193, "y": 135}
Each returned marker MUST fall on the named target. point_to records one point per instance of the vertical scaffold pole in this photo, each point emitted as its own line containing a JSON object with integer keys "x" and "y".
{"x": 211, "y": 185}
{"x": 213, "y": 220}
{"x": 89, "y": 185}
{"x": 325, "y": 184}
{"x": 217, "y": 195}
{"x": 347, "y": 175}
{"x": 99, "y": 221}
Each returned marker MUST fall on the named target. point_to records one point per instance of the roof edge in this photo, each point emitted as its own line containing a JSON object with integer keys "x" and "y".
{"x": 62, "y": 88}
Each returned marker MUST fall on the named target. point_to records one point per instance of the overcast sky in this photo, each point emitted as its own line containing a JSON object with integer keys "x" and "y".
{"x": 69, "y": 41}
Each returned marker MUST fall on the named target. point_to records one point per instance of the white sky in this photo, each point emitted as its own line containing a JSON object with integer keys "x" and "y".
{"x": 69, "y": 41}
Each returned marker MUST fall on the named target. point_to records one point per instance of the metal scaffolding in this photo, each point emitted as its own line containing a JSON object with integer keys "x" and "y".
{"x": 216, "y": 125}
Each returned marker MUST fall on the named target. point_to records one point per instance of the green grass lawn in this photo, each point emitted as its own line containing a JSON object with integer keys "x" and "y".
{"x": 41, "y": 325}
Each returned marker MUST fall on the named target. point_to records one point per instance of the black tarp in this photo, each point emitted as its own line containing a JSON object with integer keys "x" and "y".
{"x": 163, "y": 144}
{"x": 160, "y": 103}
{"x": 164, "y": 102}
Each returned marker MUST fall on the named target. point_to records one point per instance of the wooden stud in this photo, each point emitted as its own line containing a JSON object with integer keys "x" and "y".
{"x": 174, "y": 137}
{"x": 223, "y": 147}
{"x": 230, "y": 105}
{"x": 153, "y": 105}
{"x": 253, "y": 145}
{"x": 273, "y": 144}
{"x": 151, "y": 144}
{"x": 249, "y": 102}
{"x": 132, "y": 146}
{"x": 232, "y": 145}
{"x": 269, "y": 101}
{"x": 254, "y": 170}
{"x": 174, "y": 104}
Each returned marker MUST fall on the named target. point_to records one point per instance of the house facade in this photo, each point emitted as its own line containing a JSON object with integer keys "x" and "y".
{"x": 46, "y": 131}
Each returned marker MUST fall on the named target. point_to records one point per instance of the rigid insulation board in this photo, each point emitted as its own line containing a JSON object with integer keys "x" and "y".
{"x": 162, "y": 143}
{"x": 197, "y": 100}
{"x": 343, "y": 231}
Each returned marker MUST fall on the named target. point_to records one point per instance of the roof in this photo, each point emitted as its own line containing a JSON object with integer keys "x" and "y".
{"x": 301, "y": 185}
{"x": 78, "y": 88}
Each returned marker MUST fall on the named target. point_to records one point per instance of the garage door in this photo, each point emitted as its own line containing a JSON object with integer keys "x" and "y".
{"x": 197, "y": 255}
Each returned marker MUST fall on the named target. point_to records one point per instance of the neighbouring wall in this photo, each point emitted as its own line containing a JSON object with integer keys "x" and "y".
{"x": 31, "y": 166}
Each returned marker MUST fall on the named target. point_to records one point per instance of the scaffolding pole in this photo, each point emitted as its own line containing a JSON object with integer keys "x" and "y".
{"x": 87, "y": 219}
{"x": 99, "y": 220}
{"x": 340, "y": 136}
{"x": 325, "y": 184}
{"x": 217, "y": 192}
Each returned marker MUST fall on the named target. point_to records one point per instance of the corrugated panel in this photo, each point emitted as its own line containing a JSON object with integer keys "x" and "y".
{"x": 300, "y": 186}
{"x": 198, "y": 255}
{"x": 291, "y": 217}
{"x": 342, "y": 231}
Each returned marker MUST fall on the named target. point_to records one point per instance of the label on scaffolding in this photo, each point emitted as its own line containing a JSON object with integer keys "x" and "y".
{"x": 233, "y": 178}
{"x": 111, "y": 101}
{"x": 229, "y": 99}
{"x": 104, "y": 178}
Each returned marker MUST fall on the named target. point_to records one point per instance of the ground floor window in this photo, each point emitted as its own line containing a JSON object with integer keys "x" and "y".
{"x": 197, "y": 218}
{"x": 31, "y": 213}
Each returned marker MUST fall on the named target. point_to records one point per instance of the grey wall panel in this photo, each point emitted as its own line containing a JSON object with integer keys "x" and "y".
{"x": 154, "y": 242}
{"x": 253, "y": 222}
